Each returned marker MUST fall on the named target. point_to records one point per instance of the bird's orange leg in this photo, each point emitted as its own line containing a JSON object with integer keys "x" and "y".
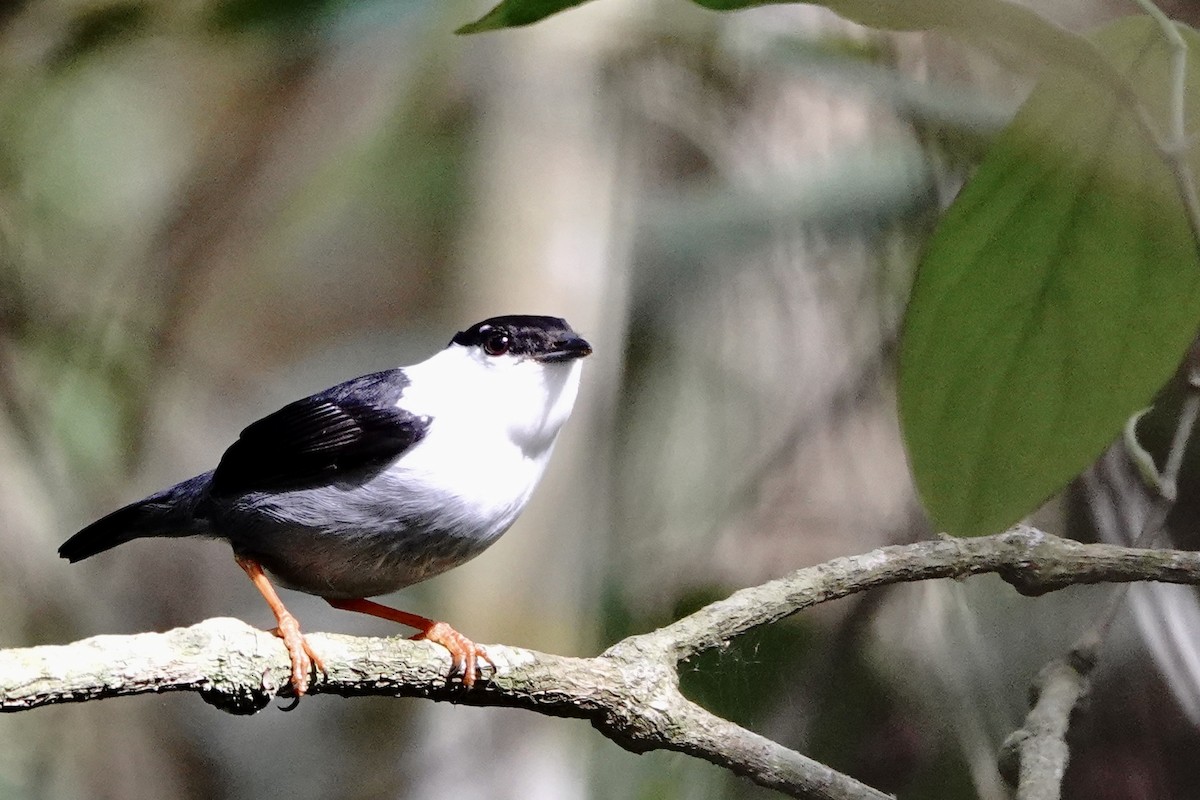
{"x": 303, "y": 657}
{"x": 465, "y": 655}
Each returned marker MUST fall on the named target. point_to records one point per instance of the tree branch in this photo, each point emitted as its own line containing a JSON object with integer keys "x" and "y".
{"x": 1032, "y": 561}
{"x": 630, "y": 693}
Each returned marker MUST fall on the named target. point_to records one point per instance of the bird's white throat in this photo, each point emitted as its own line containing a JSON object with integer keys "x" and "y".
{"x": 493, "y": 425}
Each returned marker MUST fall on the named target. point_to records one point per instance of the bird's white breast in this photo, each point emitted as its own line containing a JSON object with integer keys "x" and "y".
{"x": 492, "y": 431}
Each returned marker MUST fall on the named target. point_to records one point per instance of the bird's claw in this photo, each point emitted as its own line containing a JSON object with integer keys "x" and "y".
{"x": 465, "y": 655}
{"x": 303, "y": 657}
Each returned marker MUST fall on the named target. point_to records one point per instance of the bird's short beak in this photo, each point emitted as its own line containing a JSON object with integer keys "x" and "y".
{"x": 568, "y": 348}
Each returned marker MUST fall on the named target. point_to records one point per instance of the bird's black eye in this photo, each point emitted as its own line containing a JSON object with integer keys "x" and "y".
{"x": 497, "y": 343}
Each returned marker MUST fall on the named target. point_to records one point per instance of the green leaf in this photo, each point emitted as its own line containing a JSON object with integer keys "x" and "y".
{"x": 515, "y": 13}
{"x": 1019, "y": 33}
{"x": 1058, "y": 293}
{"x": 734, "y": 5}
{"x": 908, "y": 15}
{"x": 1014, "y": 31}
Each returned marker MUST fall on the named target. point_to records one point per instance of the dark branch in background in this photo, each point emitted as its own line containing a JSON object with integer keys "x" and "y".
{"x": 630, "y": 693}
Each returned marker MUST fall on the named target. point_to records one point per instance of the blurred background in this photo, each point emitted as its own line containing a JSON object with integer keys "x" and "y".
{"x": 211, "y": 207}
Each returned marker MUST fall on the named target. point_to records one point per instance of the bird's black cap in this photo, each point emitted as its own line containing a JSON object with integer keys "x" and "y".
{"x": 547, "y": 339}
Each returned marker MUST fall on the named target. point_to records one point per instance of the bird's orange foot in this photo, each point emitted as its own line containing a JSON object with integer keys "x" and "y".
{"x": 304, "y": 658}
{"x": 465, "y": 655}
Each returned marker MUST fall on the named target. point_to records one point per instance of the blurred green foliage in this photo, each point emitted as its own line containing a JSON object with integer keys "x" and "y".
{"x": 232, "y": 15}
{"x": 95, "y": 28}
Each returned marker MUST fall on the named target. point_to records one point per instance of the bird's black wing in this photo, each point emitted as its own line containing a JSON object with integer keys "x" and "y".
{"x": 353, "y": 426}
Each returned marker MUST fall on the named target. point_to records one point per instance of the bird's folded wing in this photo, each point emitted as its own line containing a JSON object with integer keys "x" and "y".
{"x": 341, "y": 431}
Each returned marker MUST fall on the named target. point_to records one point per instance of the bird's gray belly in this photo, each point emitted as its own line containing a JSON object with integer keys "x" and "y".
{"x": 354, "y": 540}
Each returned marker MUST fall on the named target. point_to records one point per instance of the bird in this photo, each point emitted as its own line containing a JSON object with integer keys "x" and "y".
{"x": 379, "y": 482}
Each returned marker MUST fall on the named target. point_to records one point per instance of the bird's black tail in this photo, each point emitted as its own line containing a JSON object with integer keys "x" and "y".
{"x": 171, "y": 512}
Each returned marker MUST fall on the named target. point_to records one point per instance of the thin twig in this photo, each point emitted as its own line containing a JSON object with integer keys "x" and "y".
{"x": 1035, "y": 756}
{"x": 1032, "y": 561}
{"x": 1174, "y": 151}
{"x": 1178, "y": 47}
